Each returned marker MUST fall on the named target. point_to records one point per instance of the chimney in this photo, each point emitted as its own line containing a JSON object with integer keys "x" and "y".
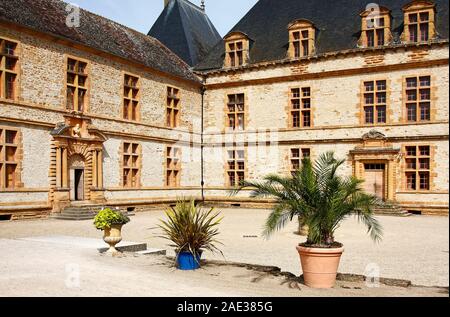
{"x": 203, "y": 5}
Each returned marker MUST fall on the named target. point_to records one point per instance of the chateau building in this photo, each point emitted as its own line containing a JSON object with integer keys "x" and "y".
{"x": 93, "y": 113}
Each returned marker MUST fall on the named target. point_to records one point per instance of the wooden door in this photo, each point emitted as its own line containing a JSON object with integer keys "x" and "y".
{"x": 374, "y": 180}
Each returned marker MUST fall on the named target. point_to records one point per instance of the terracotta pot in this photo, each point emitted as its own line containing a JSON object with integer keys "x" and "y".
{"x": 112, "y": 236}
{"x": 320, "y": 265}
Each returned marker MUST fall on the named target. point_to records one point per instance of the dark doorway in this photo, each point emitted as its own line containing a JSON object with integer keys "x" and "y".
{"x": 79, "y": 184}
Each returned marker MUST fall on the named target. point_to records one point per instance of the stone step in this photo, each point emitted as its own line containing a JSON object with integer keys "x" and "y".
{"x": 73, "y": 212}
{"x": 390, "y": 212}
{"x": 73, "y": 218}
{"x": 152, "y": 252}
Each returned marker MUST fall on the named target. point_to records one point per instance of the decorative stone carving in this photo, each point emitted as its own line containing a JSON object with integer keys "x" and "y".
{"x": 76, "y": 161}
{"x": 76, "y": 131}
{"x": 374, "y": 135}
{"x": 60, "y": 128}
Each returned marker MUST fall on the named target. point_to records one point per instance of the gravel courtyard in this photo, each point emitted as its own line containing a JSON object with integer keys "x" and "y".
{"x": 414, "y": 248}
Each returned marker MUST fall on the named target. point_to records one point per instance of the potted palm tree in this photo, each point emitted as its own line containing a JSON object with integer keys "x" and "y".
{"x": 111, "y": 222}
{"x": 322, "y": 199}
{"x": 192, "y": 230}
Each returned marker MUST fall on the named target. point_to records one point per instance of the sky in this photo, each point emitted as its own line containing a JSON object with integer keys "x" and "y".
{"x": 141, "y": 14}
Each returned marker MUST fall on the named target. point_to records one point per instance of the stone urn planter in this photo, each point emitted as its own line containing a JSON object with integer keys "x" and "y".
{"x": 319, "y": 265}
{"x": 111, "y": 222}
{"x": 112, "y": 236}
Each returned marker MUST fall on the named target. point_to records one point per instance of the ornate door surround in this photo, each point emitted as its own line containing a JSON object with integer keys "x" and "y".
{"x": 76, "y": 137}
{"x": 375, "y": 149}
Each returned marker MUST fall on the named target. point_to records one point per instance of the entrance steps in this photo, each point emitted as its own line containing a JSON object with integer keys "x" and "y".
{"x": 390, "y": 209}
{"x": 84, "y": 212}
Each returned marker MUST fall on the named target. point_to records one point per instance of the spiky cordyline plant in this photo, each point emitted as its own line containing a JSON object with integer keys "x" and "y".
{"x": 191, "y": 228}
{"x": 317, "y": 194}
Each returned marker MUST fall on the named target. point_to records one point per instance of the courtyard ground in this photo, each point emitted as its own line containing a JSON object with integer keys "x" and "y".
{"x": 414, "y": 248}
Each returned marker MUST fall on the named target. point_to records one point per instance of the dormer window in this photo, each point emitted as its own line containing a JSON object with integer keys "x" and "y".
{"x": 236, "y": 48}
{"x": 301, "y": 39}
{"x": 375, "y": 27}
{"x": 419, "y": 17}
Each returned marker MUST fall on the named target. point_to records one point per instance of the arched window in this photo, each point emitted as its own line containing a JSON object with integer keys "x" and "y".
{"x": 302, "y": 35}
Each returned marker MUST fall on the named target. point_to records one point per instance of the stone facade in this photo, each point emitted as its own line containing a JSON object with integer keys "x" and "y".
{"x": 49, "y": 144}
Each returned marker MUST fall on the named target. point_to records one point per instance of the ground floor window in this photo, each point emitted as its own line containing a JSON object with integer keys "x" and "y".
{"x": 9, "y": 157}
{"x": 417, "y": 167}
{"x": 131, "y": 164}
{"x": 297, "y": 154}
{"x": 235, "y": 167}
{"x": 173, "y": 166}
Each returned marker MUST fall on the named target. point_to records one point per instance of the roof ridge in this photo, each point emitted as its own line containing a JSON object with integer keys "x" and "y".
{"x": 185, "y": 29}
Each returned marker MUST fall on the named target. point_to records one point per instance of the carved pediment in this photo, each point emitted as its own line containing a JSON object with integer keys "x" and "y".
{"x": 83, "y": 131}
{"x": 60, "y": 129}
{"x": 373, "y": 135}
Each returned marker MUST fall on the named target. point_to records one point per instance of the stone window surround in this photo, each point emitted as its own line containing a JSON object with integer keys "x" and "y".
{"x": 87, "y": 85}
{"x": 367, "y": 18}
{"x": 172, "y": 166}
{"x": 294, "y": 160}
{"x": 18, "y": 156}
{"x": 16, "y": 72}
{"x": 236, "y": 113}
{"x": 417, "y": 7}
{"x": 432, "y": 100}
{"x": 300, "y": 110}
{"x": 387, "y": 103}
{"x": 237, "y": 170}
{"x": 133, "y": 111}
{"x": 133, "y": 167}
{"x": 432, "y": 166}
{"x": 296, "y": 49}
{"x": 173, "y": 107}
{"x": 237, "y": 47}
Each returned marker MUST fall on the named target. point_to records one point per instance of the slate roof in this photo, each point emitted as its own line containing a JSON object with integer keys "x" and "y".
{"x": 338, "y": 23}
{"x": 49, "y": 16}
{"x": 185, "y": 29}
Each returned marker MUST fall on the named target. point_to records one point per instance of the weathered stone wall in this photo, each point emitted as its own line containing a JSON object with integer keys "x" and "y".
{"x": 42, "y": 65}
{"x": 336, "y": 110}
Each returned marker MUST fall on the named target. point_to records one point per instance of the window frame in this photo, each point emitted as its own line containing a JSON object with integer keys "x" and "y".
{"x": 76, "y": 84}
{"x": 296, "y": 161}
{"x": 375, "y": 104}
{"x": 173, "y": 107}
{"x": 299, "y": 27}
{"x": 418, "y": 8}
{"x": 172, "y": 166}
{"x": 366, "y": 15}
{"x": 233, "y": 39}
{"x": 5, "y": 162}
{"x": 417, "y": 170}
{"x": 236, "y": 113}
{"x": 301, "y": 110}
{"x": 237, "y": 170}
{"x": 417, "y": 102}
{"x": 128, "y": 182}
{"x": 16, "y": 72}
{"x": 131, "y": 99}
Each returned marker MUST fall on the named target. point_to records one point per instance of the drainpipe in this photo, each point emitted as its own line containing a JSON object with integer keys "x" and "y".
{"x": 203, "y": 89}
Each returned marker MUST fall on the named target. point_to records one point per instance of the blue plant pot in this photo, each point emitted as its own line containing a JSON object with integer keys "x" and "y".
{"x": 187, "y": 262}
